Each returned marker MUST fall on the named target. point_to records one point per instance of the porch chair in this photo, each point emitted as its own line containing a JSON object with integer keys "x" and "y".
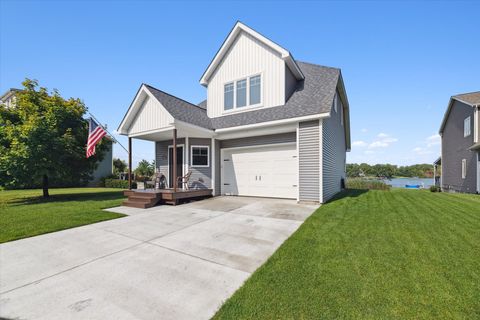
{"x": 183, "y": 181}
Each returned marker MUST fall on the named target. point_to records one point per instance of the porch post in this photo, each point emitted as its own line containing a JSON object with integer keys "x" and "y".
{"x": 174, "y": 160}
{"x": 129, "y": 163}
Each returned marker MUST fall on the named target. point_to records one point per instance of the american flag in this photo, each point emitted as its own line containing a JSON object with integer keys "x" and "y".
{"x": 95, "y": 134}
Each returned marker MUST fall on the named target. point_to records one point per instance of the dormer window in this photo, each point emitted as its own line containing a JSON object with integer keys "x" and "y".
{"x": 242, "y": 93}
{"x": 228, "y": 96}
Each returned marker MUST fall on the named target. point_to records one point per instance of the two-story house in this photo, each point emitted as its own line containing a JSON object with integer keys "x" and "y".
{"x": 460, "y": 134}
{"x": 271, "y": 126}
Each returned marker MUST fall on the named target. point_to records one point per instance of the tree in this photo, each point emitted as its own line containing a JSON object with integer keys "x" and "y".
{"x": 42, "y": 141}
{"x": 119, "y": 166}
{"x": 145, "y": 168}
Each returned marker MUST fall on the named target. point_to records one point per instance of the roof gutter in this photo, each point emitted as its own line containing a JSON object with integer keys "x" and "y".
{"x": 275, "y": 122}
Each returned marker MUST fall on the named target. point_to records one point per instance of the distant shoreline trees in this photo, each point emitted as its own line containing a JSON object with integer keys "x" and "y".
{"x": 355, "y": 170}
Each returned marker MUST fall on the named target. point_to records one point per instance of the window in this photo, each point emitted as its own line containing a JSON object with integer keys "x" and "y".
{"x": 228, "y": 96}
{"x": 241, "y": 93}
{"x": 255, "y": 86}
{"x": 464, "y": 168}
{"x": 200, "y": 155}
{"x": 466, "y": 127}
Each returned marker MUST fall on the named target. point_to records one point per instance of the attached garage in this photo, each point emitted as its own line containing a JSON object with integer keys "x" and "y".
{"x": 260, "y": 171}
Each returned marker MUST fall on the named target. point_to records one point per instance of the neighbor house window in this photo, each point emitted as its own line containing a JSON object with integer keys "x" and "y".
{"x": 241, "y": 93}
{"x": 200, "y": 156}
{"x": 466, "y": 127}
{"x": 464, "y": 168}
{"x": 255, "y": 87}
{"x": 228, "y": 96}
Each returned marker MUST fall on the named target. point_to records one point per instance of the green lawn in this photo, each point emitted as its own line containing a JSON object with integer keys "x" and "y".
{"x": 400, "y": 254}
{"x": 24, "y": 213}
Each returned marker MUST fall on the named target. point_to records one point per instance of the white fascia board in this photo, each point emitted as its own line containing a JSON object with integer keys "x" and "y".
{"x": 179, "y": 123}
{"x": 274, "y": 123}
{"x": 237, "y": 29}
{"x": 147, "y": 132}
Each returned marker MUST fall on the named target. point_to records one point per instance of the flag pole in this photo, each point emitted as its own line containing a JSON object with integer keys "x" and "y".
{"x": 111, "y": 135}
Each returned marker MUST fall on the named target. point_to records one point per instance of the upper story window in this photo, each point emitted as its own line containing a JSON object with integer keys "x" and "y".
{"x": 228, "y": 96}
{"x": 255, "y": 86}
{"x": 466, "y": 127}
{"x": 243, "y": 93}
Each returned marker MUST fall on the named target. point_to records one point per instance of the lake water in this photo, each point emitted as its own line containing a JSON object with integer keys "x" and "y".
{"x": 401, "y": 182}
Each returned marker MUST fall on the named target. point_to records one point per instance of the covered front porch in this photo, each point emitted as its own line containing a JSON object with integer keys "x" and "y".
{"x": 184, "y": 158}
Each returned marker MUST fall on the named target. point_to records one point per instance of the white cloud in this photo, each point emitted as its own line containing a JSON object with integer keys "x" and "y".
{"x": 421, "y": 151}
{"x": 383, "y": 141}
{"x": 369, "y": 152}
{"x": 359, "y": 143}
{"x": 433, "y": 140}
{"x": 364, "y": 130}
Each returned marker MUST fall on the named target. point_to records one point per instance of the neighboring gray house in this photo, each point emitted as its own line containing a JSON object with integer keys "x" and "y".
{"x": 271, "y": 126}
{"x": 460, "y": 134}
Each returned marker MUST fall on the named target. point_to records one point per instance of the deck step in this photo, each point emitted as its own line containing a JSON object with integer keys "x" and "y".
{"x": 141, "y": 205}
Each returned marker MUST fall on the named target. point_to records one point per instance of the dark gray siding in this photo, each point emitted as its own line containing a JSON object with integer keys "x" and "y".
{"x": 218, "y": 172}
{"x": 334, "y": 152}
{"x": 201, "y": 176}
{"x": 455, "y": 148}
{"x": 290, "y": 83}
{"x": 259, "y": 140}
{"x": 309, "y": 160}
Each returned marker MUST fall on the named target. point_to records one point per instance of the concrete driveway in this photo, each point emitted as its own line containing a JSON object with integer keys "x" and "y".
{"x": 161, "y": 263}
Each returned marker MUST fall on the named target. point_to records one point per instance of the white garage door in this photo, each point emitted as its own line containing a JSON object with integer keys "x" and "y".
{"x": 266, "y": 171}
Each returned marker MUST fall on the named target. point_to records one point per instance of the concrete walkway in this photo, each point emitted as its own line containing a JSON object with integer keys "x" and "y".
{"x": 161, "y": 263}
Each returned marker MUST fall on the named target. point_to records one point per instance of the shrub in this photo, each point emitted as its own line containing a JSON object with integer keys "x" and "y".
{"x": 117, "y": 183}
{"x": 358, "y": 183}
{"x": 435, "y": 189}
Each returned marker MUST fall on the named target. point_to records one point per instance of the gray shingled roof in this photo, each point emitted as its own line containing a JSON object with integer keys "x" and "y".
{"x": 181, "y": 109}
{"x": 472, "y": 98}
{"x": 313, "y": 95}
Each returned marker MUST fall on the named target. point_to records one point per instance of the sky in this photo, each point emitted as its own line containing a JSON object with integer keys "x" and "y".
{"x": 401, "y": 61}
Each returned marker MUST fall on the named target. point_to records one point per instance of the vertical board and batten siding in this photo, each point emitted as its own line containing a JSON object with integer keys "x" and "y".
{"x": 455, "y": 148}
{"x": 150, "y": 116}
{"x": 247, "y": 57}
{"x": 309, "y": 160}
{"x": 201, "y": 177}
{"x": 334, "y": 152}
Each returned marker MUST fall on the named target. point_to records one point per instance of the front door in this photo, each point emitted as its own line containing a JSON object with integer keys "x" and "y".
{"x": 171, "y": 177}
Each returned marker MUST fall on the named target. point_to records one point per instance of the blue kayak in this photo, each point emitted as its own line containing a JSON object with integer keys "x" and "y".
{"x": 412, "y": 186}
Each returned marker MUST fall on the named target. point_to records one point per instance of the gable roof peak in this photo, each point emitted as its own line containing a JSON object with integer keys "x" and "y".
{"x": 238, "y": 28}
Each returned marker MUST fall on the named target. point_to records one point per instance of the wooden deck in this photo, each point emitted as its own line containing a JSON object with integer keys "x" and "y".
{"x": 152, "y": 197}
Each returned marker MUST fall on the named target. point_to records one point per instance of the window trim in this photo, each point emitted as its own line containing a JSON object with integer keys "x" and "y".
{"x": 236, "y": 109}
{"x": 191, "y": 156}
{"x": 464, "y": 169}
{"x": 469, "y": 121}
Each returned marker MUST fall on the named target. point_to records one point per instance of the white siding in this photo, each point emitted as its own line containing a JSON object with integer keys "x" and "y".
{"x": 151, "y": 115}
{"x": 334, "y": 153}
{"x": 248, "y": 57}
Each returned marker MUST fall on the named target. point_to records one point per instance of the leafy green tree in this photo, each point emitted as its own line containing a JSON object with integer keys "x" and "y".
{"x": 42, "y": 141}
{"x": 119, "y": 166}
{"x": 145, "y": 168}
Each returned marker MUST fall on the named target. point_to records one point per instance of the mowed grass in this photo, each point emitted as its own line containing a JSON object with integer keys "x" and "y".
{"x": 24, "y": 213}
{"x": 399, "y": 254}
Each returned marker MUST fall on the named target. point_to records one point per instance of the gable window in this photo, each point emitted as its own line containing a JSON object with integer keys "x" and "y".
{"x": 255, "y": 86}
{"x": 228, "y": 96}
{"x": 241, "y": 93}
{"x": 200, "y": 156}
{"x": 466, "y": 127}
{"x": 464, "y": 168}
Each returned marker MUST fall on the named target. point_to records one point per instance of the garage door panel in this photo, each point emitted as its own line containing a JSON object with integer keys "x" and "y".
{"x": 268, "y": 171}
